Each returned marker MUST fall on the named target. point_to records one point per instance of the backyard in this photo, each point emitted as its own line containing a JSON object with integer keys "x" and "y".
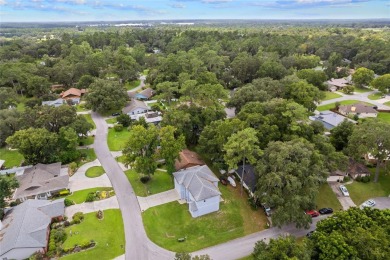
{"x": 385, "y": 117}
{"x": 345, "y": 102}
{"x": 361, "y": 192}
{"x": 108, "y": 234}
{"x": 79, "y": 196}
{"x": 215, "y": 228}
{"x": 161, "y": 181}
{"x": 117, "y": 140}
{"x": 327, "y": 198}
{"x": 12, "y": 158}
{"x": 94, "y": 172}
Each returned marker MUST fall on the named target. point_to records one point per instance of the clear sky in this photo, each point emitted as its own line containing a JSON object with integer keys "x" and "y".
{"x": 118, "y": 10}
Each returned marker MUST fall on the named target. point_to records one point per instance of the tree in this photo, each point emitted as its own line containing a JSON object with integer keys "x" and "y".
{"x": 281, "y": 248}
{"x": 371, "y": 137}
{"x": 382, "y": 83}
{"x": 85, "y": 81}
{"x": 10, "y": 122}
{"x": 349, "y": 89}
{"x": 314, "y": 77}
{"x": 362, "y": 77}
{"x": 340, "y": 135}
{"x": 290, "y": 174}
{"x": 105, "y": 95}
{"x": 272, "y": 69}
{"x": 124, "y": 119}
{"x": 81, "y": 125}
{"x": 241, "y": 147}
{"x": 305, "y": 94}
{"x": 37, "y": 145}
{"x": 140, "y": 149}
{"x": 67, "y": 142}
{"x": 7, "y": 98}
{"x": 7, "y": 186}
{"x": 167, "y": 91}
{"x": 170, "y": 146}
{"x": 38, "y": 86}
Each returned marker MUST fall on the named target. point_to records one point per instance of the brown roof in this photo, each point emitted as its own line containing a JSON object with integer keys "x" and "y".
{"x": 340, "y": 83}
{"x": 148, "y": 92}
{"x": 356, "y": 168}
{"x": 73, "y": 92}
{"x": 358, "y": 108}
{"x": 188, "y": 159}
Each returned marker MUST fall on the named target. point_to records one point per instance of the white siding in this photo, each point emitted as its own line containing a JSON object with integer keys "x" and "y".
{"x": 206, "y": 206}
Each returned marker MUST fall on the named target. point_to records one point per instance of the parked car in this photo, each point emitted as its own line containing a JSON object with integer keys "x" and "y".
{"x": 310, "y": 233}
{"x": 267, "y": 209}
{"x": 324, "y": 211}
{"x": 116, "y": 114}
{"x": 344, "y": 191}
{"x": 312, "y": 213}
{"x": 231, "y": 181}
{"x": 368, "y": 204}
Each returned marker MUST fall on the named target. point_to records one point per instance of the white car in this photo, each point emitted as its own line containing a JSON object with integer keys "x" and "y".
{"x": 344, "y": 191}
{"x": 368, "y": 204}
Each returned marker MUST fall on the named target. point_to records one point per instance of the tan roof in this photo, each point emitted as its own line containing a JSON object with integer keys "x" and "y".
{"x": 338, "y": 82}
{"x": 148, "y": 92}
{"x": 134, "y": 104}
{"x": 73, "y": 92}
{"x": 358, "y": 108}
{"x": 188, "y": 159}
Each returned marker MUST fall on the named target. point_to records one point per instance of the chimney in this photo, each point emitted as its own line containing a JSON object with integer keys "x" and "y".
{"x": 353, "y": 108}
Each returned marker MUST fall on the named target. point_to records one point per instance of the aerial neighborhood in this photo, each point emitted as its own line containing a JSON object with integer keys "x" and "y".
{"x": 204, "y": 140}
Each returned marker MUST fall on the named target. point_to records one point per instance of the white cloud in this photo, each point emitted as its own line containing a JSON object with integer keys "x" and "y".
{"x": 3, "y": 2}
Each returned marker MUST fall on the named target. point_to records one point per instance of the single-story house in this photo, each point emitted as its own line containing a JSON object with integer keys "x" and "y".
{"x": 336, "y": 176}
{"x": 135, "y": 107}
{"x": 188, "y": 159}
{"x": 337, "y": 84}
{"x": 360, "y": 109}
{"x": 250, "y": 178}
{"x": 131, "y": 94}
{"x": 198, "y": 186}
{"x": 41, "y": 181}
{"x": 150, "y": 117}
{"x": 144, "y": 94}
{"x": 54, "y": 103}
{"x": 25, "y": 228}
{"x": 355, "y": 169}
{"x": 73, "y": 93}
{"x": 330, "y": 119}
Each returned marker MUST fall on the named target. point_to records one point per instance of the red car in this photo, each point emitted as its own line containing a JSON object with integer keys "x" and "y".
{"x": 312, "y": 213}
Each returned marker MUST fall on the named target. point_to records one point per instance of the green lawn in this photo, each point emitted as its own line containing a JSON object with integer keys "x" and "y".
{"x": 385, "y": 117}
{"x": 117, "y": 140}
{"x": 145, "y": 72}
{"x": 331, "y": 95}
{"x": 132, "y": 84}
{"x": 94, "y": 172}
{"x": 108, "y": 234}
{"x": 89, "y": 156}
{"x": 387, "y": 103}
{"x": 361, "y": 192}
{"x": 12, "y": 158}
{"x": 161, "y": 181}
{"x": 80, "y": 196}
{"x": 166, "y": 223}
{"x": 86, "y": 140}
{"x": 361, "y": 90}
{"x": 111, "y": 120}
{"x": 375, "y": 96}
{"x": 327, "y": 199}
{"x": 81, "y": 108}
{"x": 89, "y": 119}
{"x": 345, "y": 102}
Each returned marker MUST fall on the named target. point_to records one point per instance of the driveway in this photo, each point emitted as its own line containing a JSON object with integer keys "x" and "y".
{"x": 346, "y": 202}
{"x": 158, "y": 199}
{"x": 88, "y": 207}
{"x": 141, "y": 84}
{"x": 382, "y": 202}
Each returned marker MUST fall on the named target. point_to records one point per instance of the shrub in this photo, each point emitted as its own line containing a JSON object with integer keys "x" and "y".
{"x": 99, "y": 214}
{"x": 72, "y": 168}
{"x": 64, "y": 192}
{"x": 145, "y": 179}
{"x": 59, "y": 235}
{"x": 66, "y": 224}
{"x": 366, "y": 179}
{"x": 85, "y": 244}
{"x": 13, "y": 204}
{"x": 124, "y": 120}
{"x": 78, "y": 217}
{"x": 90, "y": 197}
{"x": 346, "y": 179}
{"x": 68, "y": 202}
{"x": 358, "y": 178}
{"x": 118, "y": 127}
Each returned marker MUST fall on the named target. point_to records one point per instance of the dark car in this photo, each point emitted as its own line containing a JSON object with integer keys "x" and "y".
{"x": 310, "y": 233}
{"x": 326, "y": 211}
{"x": 312, "y": 213}
{"x": 116, "y": 114}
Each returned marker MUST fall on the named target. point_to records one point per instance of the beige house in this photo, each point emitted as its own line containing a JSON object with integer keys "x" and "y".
{"x": 360, "y": 109}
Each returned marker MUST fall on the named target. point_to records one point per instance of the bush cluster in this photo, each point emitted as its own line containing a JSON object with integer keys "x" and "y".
{"x": 68, "y": 202}
{"x": 145, "y": 179}
{"x": 364, "y": 179}
{"x": 118, "y": 127}
{"x": 77, "y": 217}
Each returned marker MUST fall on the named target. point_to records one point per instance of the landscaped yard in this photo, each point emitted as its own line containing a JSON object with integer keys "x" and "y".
{"x": 375, "y": 96}
{"x": 89, "y": 119}
{"x": 361, "y": 90}
{"x": 361, "y": 192}
{"x": 331, "y": 95}
{"x": 327, "y": 199}
{"x": 94, "y": 172}
{"x": 80, "y": 196}
{"x": 88, "y": 156}
{"x": 345, "y": 102}
{"x": 117, "y": 140}
{"x": 108, "y": 234}
{"x": 166, "y": 223}
{"x": 111, "y": 120}
{"x": 132, "y": 84}
{"x": 81, "y": 108}
{"x": 12, "y": 158}
{"x": 161, "y": 181}
{"x": 385, "y": 117}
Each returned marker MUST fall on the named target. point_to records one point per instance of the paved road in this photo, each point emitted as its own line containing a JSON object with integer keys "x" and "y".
{"x": 138, "y": 246}
{"x": 141, "y": 84}
{"x": 361, "y": 97}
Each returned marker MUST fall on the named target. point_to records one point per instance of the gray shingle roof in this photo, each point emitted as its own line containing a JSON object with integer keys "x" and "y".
{"x": 330, "y": 119}
{"x": 41, "y": 178}
{"x": 26, "y": 224}
{"x": 198, "y": 180}
{"x": 358, "y": 108}
{"x": 134, "y": 104}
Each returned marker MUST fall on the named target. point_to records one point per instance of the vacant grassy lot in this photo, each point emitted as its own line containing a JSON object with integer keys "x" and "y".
{"x": 375, "y": 96}
{"x": 89, "y": 119}
{"x": 94, "y": 172}
{"x": 327, "y": 199}
{"x": 80, "y": 196}
{"x": 117, "y": 140}
{"x": 345, "y": 102}
{"x": 108, "y": 234}
{"x": 132, "y": 84}
{"x": 385, "y": 117}
{"x": 161, "y": 181}
{"x": 331, "y": 95}
{"x": 12, "y": 158}
{"x": 361, "y": 192}
{"x": 166, "y": 223}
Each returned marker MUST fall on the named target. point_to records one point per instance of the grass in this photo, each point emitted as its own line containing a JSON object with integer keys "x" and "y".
{"x": 145, "y": 72}
{"x": 111, "y": 120}
{"x": 161, "y": 181}
{"x": 360, "y": 192}
{"x": 86, "y": 140}
{"x": 327, "y": 199}
{"x": 331, "y": 95}
{"x": 132, "y": 84}
{"x": 345, "y": 102}
{"x": 166, "y": 223}
{"x": 81, "y": 108}
{"x": 12, "y": 158}
{"x": 117, "y": 140}
{"x": 89, "y": 119}
{"x": 361, "y": 90}
{"x": 80, "y": 196}
{"x": 385, "y": 117}
{"x": 94, "y": 172}
{"x": 89, "y": 156}
{"x": 375, "y": 96}
{"x": 108, "y": 234}
{"x": 249, "y": 257}
{"x": 387, "y": 103}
